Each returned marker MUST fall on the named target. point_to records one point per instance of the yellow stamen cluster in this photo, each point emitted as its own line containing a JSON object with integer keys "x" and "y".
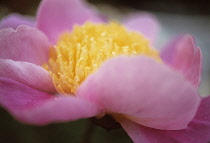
{"x": 81, "y": 52}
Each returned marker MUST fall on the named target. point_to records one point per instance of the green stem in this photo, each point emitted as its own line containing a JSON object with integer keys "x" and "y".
{"x": 88, "y": 133}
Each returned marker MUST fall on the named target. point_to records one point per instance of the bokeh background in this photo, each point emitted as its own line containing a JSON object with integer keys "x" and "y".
{"x": 176, "y": 17}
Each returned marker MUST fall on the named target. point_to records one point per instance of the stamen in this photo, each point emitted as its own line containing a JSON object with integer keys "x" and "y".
{"x": 81, "y": 53}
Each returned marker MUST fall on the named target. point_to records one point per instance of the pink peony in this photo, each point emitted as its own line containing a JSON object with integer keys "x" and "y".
{"x": 154, "y": 100}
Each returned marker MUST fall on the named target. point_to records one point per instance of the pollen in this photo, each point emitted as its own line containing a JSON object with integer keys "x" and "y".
{"x": 81, "y": 52}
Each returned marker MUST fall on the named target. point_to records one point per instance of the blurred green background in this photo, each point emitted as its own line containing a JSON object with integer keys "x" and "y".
{"x": 180, "y": 16}
{"x": 12, "y": 131}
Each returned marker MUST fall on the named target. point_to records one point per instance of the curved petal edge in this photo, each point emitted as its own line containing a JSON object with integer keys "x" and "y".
{"x": 183, "y": 55}
{"x": 143, "y": 90}
{"x": 24, "y": 44}
{"x": 64, "y": 14}
{"x": 14, "y": 20}
{"x": 143, "y": 23}
{"x": 36, "y": 107}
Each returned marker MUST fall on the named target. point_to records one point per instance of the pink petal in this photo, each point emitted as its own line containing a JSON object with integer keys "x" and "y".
{"x": 28, "y": 74}
{"x": 14, "y": 20}
{"x": 57, "y": 16}
{"x": 36, "y": 107}
{"x": 141, "y": 134}
{"x": 182, "y": 55}
{"x": 143, "y": 90}
{"x": 198, "y": 131}
{"x": 24, "y": 44}
{"x": 144, "y": 23}
{"x": 180, "y": 52}
{"x": 203, "y": 113}
{"x": 193, "y": 74}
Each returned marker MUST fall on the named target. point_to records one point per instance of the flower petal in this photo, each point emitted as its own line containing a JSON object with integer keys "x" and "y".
{"x": 141, "y": 134}
{"x": 193, "y": 74}
{"x": 198, "y": 131}
{"x": 203, "y": 113}
{"x": 24, "y": 44}
{"x": 28, "y": 74}
{"x": 182, "y": 55}
{"x": 14, "y": 20}
{"x": 35, "y": 107}
{"x": 56, "y": 16}
{"x": 144, "y": 23}
{"x": 144, "y": 91}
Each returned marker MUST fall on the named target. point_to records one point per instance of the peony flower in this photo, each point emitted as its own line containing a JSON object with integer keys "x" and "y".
{"x": 71, "y": 64}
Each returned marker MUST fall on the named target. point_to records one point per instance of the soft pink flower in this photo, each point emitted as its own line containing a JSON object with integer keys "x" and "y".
{"x": 154, "y": 103}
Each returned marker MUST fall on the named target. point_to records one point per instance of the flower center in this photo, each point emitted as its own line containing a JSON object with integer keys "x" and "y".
{"x": 81, "y": 52}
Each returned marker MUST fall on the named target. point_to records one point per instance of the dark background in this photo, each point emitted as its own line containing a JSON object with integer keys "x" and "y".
{"x": 169, "y": 6}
